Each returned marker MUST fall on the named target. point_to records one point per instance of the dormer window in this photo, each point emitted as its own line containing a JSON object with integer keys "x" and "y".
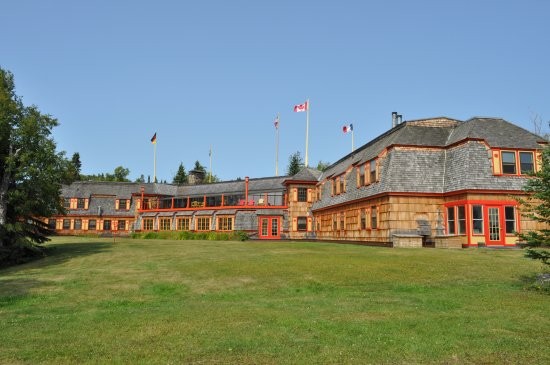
{"x": 80, "y": 203}
{"x": 508, "y": 162}
{"x": 526, "y": 163}
{"x": 516, "y": 162}
{"x": 123, "y": 204}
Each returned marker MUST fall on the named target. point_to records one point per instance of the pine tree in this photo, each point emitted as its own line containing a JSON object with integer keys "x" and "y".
{"x": 295, "y": 164}
{"x": 537, "y": 206}
{"x": 181, "y": 176}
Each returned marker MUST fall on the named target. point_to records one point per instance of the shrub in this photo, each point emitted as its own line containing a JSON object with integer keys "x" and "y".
{"x": 186, "y": 235}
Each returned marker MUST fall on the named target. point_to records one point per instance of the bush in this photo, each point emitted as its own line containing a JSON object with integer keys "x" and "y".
{"x": 186, "y": 235}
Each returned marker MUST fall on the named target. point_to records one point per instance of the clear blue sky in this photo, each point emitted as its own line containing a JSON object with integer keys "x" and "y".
{"x": 203, "y": 73}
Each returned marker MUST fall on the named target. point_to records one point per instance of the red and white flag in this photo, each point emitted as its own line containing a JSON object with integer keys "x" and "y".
{"x": 301, "y": 107}
{"x": 276, "y": 122}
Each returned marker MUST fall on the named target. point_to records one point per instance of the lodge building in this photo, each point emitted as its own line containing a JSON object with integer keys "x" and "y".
{"x": 430, "y": 182}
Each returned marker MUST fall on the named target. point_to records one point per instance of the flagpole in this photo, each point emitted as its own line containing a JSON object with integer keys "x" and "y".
{"x": 352, "y": 148}
{"x": 210, "y": 178}
{"x": 155, "y": 162}
{"x": 277, "y": 146}
{"x": 307, "y": 131}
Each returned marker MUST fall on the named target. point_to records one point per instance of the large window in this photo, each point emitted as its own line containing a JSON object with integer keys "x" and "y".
{"x": 148, "y": 224}
{"x": 183, "y": 224}
{"x": 302, "y": 223}
{"x": 121, "y": 225}
{"x": 107, "y": 225}
{"x": 51, "y": 223}
{"x": 477, "y": 219}
{"x": 165, "y": 224}
{"x": 508, "y": 162}
{"x": 456, "y": 219}
{"x": 526, "y": 163}
{"x": 203, "y": 223}
{"x": 510, "y": 217}
{"x": 302, "y": 194}
{"x": 78, "y": 224}
{"x": 92, "y": 224}
{"x": 363, "y": 219}
{"x": 80, "y": 203}
{"x": 225, "y": 223}
{"x": 66, "y": 224}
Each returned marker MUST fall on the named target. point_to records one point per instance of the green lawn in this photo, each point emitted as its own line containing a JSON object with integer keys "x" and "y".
{"x": 154, "y": 301}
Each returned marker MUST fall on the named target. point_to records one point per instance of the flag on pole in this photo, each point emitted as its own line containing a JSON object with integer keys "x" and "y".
{"x": 347, "y": 128}
{"x": 154, "y": 139}
{"x": 276, "y": 122}
{"x": 301, "y": 107}
{"x": 210, "y": 152}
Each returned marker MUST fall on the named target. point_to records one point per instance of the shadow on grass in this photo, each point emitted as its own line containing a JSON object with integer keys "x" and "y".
{"x": 17, "y": 290}
{"x": 58, "y": 253}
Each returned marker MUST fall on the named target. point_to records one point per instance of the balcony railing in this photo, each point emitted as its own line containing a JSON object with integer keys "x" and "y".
{"x": 217, "y": 201}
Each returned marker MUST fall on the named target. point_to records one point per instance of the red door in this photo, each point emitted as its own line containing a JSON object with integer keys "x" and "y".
{"x": 494, "y": 233}
{"x": 269, "y": 228}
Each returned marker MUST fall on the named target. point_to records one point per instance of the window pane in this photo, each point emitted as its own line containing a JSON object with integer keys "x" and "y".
{"x": 461, "y": 220}
{"x": 302, "y": 194}
{"x": 106, "y": 225}
{"x": 373, "y": 218}
{"x": 451, "y": 220}
{"x": 509, "y": 162}
{"x": 92, "y": 224}
{"x": 274, "y": 227}
{"x": 372, "y": 177}
{"x": 302, "y": 223}
{"x": 78, "y": 224}
{"x": 477, "y": 219}
{"x": 526, "y": 162}
{"x": 509, "y": 214}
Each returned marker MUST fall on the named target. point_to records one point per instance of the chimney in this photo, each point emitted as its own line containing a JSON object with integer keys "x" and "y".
{"x": 393, "y": 119}
{"x": 399, "y": 119}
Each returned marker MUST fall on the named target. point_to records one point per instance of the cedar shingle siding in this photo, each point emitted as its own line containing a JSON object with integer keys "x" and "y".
{"x": 422, "y": 166}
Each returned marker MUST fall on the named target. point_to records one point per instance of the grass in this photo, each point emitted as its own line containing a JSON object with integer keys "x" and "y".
{"x": 158, "y": 301}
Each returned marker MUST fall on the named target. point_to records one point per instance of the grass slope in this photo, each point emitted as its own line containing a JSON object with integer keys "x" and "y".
{"x": 154, "y": 301}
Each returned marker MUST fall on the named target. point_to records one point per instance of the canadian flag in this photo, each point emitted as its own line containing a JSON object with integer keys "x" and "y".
{"x": 347, "y": 128}
{"x": 301, "y": 107}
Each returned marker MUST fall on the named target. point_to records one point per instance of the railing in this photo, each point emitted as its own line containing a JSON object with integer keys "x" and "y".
{"x": 216, "y": 201}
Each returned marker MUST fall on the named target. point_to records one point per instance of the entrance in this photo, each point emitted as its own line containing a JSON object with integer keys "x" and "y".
{"x": 269, "y": 228}
{"x": 493, "y": 235}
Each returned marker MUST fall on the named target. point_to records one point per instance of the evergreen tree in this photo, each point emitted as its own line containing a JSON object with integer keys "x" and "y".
{"x": 295, "y": 164}
{"x": 199, "y": 167}
{"x": 537, "y": 207}
{"x": 31, "y": 171}
{"x": 77, "y": 165}
{"x": 181, "y": 176}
